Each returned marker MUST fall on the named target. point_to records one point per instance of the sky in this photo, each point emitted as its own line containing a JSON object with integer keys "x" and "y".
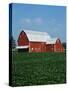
{"x": 44, "y": 18}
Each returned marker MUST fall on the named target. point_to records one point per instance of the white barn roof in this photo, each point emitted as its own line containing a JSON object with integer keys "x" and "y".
{"x": 51, "y": 41}
{"x": 37, "y": 36}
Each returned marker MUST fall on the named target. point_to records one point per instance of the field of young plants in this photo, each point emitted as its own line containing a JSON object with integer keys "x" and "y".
{"x": 38, "y": 68}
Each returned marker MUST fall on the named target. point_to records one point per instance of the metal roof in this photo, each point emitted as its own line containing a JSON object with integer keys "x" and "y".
{"x": 38, "y": 36}
{"x": 51, "y": 41}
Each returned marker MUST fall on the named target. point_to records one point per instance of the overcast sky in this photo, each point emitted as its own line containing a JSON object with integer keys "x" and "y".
{"x": 50, "y": 19}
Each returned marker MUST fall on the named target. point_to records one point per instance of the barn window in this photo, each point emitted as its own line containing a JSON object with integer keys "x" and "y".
{"x": 32, "y": 48}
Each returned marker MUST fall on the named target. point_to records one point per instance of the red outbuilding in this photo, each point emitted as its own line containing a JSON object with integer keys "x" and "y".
{"x": 34, "y": 41}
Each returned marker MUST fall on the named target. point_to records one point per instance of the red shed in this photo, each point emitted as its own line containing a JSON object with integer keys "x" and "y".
{"x": 34, "y": 41}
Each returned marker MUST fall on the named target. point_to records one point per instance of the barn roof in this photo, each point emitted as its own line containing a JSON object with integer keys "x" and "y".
{"x": 51, "y": 41}
{"x": 39, "y": 36}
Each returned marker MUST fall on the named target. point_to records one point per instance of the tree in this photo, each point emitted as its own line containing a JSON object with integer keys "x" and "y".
{"x": 64, "y": 45}
{"x": 13, "y": 43}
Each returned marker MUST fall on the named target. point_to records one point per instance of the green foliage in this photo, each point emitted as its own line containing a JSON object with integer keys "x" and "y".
{"x": 12, "y": 43}
{"x": 38, "y": 68}
{"x": 64, "y": 45}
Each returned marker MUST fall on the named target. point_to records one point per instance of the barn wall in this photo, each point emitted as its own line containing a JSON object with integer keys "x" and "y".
{"x": 22, "y": 40}
{"x": 37, "y": 47}
{"x": 58, "y": 47}
{"x": 49, "y": 48}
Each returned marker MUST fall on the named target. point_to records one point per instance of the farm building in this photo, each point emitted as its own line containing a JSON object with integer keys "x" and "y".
{"x": 34, "y": 41}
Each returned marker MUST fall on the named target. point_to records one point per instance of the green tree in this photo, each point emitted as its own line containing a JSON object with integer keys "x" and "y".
{"x": 13, "y": 43}
{"x": 64, "y": 45}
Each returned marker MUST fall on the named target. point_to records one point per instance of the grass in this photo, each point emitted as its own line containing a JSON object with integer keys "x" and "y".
{"x": 38, "y": 68}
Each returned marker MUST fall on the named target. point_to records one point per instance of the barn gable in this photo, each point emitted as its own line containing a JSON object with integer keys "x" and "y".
{"x": 58, "y": 46}
{"x": 23, "y": 39}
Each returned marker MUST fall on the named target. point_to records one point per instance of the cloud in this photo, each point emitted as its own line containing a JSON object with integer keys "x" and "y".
{"x": 38, "y": 20}
{"x": 26, "y": 21}
{"x": 33, "y": 21}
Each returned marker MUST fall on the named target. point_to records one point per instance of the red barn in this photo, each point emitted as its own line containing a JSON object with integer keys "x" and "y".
{"x": 34, "y": 41}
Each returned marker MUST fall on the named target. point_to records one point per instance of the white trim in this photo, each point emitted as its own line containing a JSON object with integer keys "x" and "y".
{"x": 21, "y": 47}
